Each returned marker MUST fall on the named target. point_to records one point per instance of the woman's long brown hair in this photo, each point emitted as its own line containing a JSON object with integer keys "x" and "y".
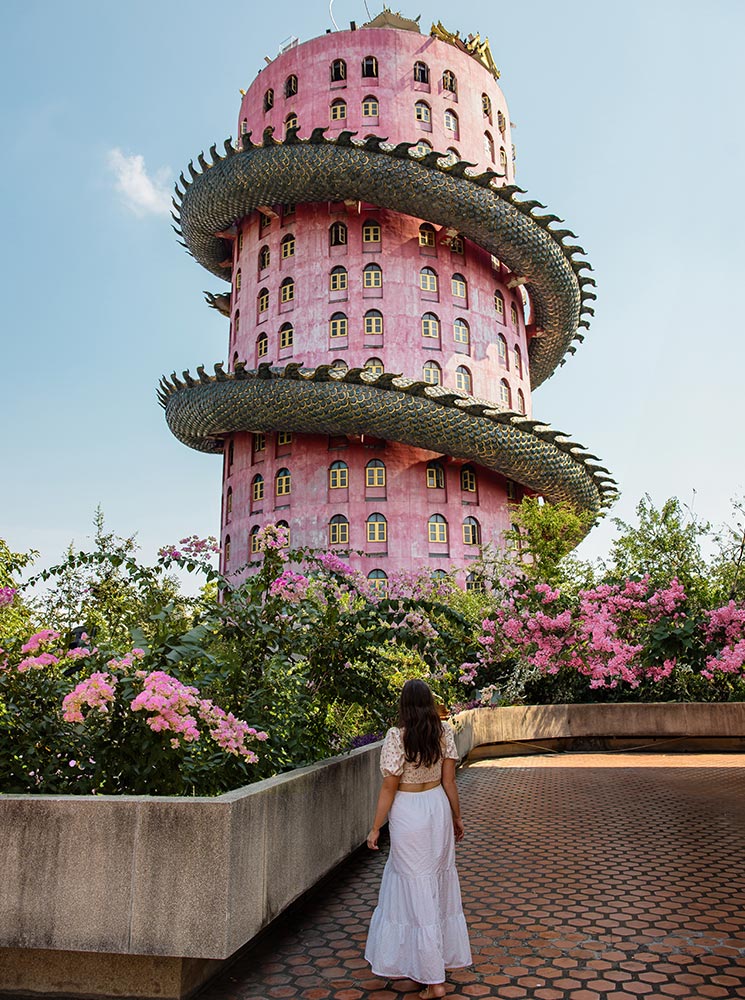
{"x": 420, "y": 722}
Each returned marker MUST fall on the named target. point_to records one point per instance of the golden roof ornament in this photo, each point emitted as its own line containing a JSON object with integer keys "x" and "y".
{"x": 473, "y": 45}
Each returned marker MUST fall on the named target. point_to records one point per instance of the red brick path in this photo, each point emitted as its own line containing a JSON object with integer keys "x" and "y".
{"x": 584, "y": 877}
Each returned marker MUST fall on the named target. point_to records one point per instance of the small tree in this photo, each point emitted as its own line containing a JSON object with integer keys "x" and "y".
{"x": 544, "y": 536}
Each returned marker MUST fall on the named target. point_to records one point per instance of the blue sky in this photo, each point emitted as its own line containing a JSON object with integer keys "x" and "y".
{"x": 628, "y": 126}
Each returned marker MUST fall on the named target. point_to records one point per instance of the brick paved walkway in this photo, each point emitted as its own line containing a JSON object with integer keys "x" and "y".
{"x": 584, "y": 877}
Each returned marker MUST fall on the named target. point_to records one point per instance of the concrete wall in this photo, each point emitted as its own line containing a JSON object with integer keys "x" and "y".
{"x": 145, "y": 896}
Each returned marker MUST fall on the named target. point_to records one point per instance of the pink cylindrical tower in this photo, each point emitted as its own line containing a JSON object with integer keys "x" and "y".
{"x": 347, "y": 272}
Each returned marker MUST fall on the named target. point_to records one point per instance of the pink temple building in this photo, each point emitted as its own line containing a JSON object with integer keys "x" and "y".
{"x": 357, "y": 284}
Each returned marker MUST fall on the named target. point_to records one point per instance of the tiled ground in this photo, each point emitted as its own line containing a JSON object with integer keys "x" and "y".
{"x": 584, "y": 877}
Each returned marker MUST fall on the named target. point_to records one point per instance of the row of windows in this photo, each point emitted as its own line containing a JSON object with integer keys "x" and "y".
{"x": 339, "y": 236}
{"x": 369, "y": 70}
{"x": 338, "y": 479}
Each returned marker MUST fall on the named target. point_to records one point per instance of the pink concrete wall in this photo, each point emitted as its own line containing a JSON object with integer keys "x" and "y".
{"x": 496, "y": 357}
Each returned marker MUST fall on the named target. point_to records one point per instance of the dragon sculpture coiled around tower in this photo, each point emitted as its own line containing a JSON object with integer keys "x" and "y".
{"x": 202, "y": 411}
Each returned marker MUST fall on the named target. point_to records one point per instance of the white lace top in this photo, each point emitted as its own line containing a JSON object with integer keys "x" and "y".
{"x": 392, "y": 761}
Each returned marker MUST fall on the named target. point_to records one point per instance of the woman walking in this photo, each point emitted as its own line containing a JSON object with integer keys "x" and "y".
{"x": 418, "y": 929}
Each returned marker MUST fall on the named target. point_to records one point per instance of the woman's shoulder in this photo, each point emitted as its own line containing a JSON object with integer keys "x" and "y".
{"x": 447, "y": 727}
{"x": 393, "y": 733}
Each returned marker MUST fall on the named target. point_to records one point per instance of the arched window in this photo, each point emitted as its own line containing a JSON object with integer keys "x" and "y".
{"x": 338, "y": 279}
{"x": 513, "y": 314}
{"x": 518, "y": 361}
{"x": 285, "y": 525}
{"x": 457, "y": 245}
{"x": 338, "y": 234}
{"x": 338, "y": 325}
{"x": 449, "y": 81}
{"x": 263, "y": 300}
{"x": 236, "y": 322}
{"x": 468, "y": 479}
{"x": 423, "y": 112}
{"x": 377, "y": 528}
{"x": 502, "y": 351}
{"x": 229, "y": 503}
{"x": 501, "y": 122}
{"x": 374, "y": 365}
{"x": 262, "y": 345}
{"x": 421, "y": 72}
{"x": 269, "y": 100}
{"x": 426, "y": 235}
{"x": 488, "y": 147}
{"x": 452, "y": 156}
{"x": 257, "y": 489}
{"x": 428, "y": 280}
{"x": 338, "y": 364}
{"x": 231, "y": 454}
{"x": 373, "y": 323}
{"x": 338, "y": 530}
{"x": 471, "y": 531}
{"x": 338, "y": 70}
{"x": 461, "y": 333}
{"x": 291, "y": 121}
{"x": 462, "y": 379}
{"x": 435, "y": 476}
{"x": 502, "y": 159}
{"x": 372, "y": 276}
{"x": 437, "y": 529}
{"x": 282, "y": 483}
{"x": 244, "y": 126}
{"x": 432, "y": 373}
{"x": 226, "y": 549}
{"x": 253, "y": 540}
{"x": 291, "y": 86}
{"x": 474, "y": 582}
{"x": 499, "y": 303}
{"x": 371, "y": 232}
{"x": 369, "y": 66}
{"x": 423, "y": 147}
{"x": 451, "y": 123}
{"x": 378, "y": 582}
{"x": 338, "y": 476}
{"x": 521, "y": 401}
{"x": 505, "y": 393}
{"x": 287, "y": 290}
{"x": 370, "y": 107}
{"x": 286, "y": 336}
{"x": 338, "y": 110}
{"x": 430, "y": 326}
{"x": 288, "y": 246}
{"x": 486, "y": 105}
{"x": 235, "y": 359}
{"x": 264, "y": 258}
{"x": 458, "y": 286}
{"x": 238, "y": 280}
{"x": 375, "y": 473}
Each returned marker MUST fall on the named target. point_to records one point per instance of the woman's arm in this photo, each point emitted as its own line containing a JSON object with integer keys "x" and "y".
{"x": 385, "y": 801}
{"x": 451, "y": 790}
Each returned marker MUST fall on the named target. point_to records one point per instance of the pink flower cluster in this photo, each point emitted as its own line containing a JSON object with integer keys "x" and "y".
{"x": 272, "y": 537}
{"x": 170, "y": 703}
{"x": 7, "y": 596}
{"x": 95, "y": 692}
{"x": 39, "y": 639}
{"x": 229, "y": 732}
{"x": 191, "y": 549}
{"x": 127, "y": 661}
{"x": 37, "y": 662}
{"x": 290, "y": 587}
{"x": 725, "y": 626}
{"x": 415, "y": 621}
{"x": 602, "y": 636}
{"x": 331, "y": 562}
{"x": 174, "y": 707}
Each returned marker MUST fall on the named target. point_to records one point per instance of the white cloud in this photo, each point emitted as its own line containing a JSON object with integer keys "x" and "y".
{"x": 142, "y": 194}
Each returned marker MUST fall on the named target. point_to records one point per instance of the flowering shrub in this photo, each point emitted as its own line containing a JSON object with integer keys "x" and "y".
{"x": 625, "y": 638}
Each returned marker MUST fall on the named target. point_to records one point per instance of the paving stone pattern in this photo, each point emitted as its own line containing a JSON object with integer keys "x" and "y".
{"x": 584, "y": 877}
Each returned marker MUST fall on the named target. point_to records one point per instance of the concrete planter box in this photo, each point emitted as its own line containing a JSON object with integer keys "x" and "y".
{"x": 142, "y": 896}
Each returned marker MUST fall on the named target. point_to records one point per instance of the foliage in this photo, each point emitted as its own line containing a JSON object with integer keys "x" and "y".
{"x": 544, "y": 535}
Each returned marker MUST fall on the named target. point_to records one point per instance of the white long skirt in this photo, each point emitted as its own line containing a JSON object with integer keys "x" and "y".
{"x": 418, "y": 928}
